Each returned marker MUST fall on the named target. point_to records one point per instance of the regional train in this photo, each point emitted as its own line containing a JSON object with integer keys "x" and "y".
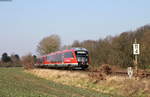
{"x": 74, "y": 58}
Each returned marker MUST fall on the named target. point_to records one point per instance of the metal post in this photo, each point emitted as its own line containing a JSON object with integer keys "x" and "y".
{"x": 136, "y": 60}
{"x": 136, "y": 64}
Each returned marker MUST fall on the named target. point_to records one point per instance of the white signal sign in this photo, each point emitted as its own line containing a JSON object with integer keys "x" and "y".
{"x": 136, "y": 49}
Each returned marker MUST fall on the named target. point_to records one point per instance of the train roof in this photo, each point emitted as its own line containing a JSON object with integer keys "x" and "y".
{"x": 79, "y": 48}
{"x": 71, "y": 49}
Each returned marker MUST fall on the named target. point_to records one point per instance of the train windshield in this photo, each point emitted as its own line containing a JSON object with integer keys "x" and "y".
{"x": 82, "y": 56}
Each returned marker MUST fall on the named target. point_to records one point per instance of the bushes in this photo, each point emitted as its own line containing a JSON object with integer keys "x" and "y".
{"x": 28, "y": 61}
{"x": 141, "y": 74}
{"x": 106, "y": 69}
{"x": 10, "y": 61}
{"x": 100, "y": 73}
{"x": 5, "y": 58}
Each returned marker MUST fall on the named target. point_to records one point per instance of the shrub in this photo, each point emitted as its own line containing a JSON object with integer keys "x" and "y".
{"x": 28, "y": 61}
{"x": 141, "y": 74}
{"x": 5, "y": 58}
{"x": 96, "y": 76}
{"x": 100, "y": 73}
{"x": 106, "y": 69}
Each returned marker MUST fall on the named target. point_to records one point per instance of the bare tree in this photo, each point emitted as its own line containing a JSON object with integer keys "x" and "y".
{"x": 76, "y": 43}
{"x": 28, "y": 61}
{"x": 15, "y": 58}
{"x": 49, "y": 44}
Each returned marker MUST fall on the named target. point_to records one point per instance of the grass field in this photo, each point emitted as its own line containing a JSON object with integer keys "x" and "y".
{"x": 16, "y": 83}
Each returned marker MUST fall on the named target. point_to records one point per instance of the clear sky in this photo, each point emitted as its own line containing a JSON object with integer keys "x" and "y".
{"x": 23, "y": 23}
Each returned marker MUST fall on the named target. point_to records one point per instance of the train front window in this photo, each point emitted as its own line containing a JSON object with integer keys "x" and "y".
{"x": 82, "y": 56}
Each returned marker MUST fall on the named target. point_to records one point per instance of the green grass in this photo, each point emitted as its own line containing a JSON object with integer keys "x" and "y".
{"x": 16, "y": 83}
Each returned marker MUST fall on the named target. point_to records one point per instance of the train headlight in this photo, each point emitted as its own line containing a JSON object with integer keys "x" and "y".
{"x": 79, "y": 59}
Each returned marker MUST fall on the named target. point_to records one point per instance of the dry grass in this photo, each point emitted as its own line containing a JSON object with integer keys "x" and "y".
{"x": 129, "y": 87}
{"x": 61, "y": 76}
{"x": 113, "y": 84}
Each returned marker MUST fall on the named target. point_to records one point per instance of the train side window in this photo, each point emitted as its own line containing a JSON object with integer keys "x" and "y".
{"x": 56, "y": 59}
{"x": 68, "y": 55}
{"x": 59, "y": 57}
{"x": 49, "y": 58}
{"x": 40, "y": 60}
{"x": 53, "y": 58}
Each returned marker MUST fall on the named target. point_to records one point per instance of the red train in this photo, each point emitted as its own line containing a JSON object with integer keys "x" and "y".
{"x": 71, "y": 58}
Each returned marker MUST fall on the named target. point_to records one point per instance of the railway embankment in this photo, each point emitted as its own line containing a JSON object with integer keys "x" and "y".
{"x": 112, "y": 84}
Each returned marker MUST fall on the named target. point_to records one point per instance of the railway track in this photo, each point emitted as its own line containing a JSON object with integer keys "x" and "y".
{"x": 116, "y": 73}
{"x": 121, "y": 73}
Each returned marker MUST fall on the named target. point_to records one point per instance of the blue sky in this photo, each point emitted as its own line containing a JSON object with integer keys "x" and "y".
{"x": 23, "y": 23}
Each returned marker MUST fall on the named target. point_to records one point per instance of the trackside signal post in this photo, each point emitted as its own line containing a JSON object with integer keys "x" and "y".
{"x": 136, "y": 52}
